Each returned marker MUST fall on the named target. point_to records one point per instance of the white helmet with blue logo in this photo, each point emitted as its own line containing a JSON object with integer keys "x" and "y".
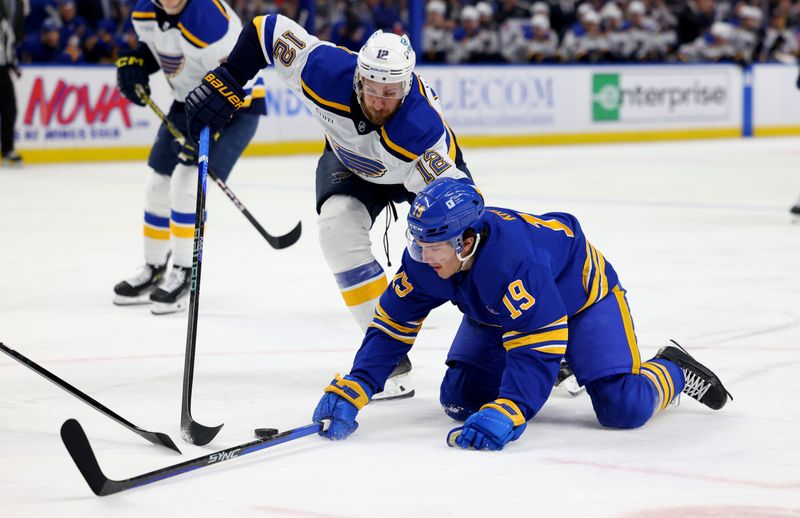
{"x": 386, "y": 58}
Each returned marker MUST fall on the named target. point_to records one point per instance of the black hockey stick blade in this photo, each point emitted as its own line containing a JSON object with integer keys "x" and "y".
{"x": 289, "y": 239}
{"x": 158, "y": 438}
{"x": 197, "y": 433}
{"x": 80, "y": 450}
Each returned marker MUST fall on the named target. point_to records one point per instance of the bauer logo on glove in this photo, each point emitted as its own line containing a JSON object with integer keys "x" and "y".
{"x": 223, "y": 90}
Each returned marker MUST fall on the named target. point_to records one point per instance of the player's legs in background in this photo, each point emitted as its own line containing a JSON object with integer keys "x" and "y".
{"x": 604, "y": 354}
{"x": 475, "y": 365}
{"x": 137, "y": 288}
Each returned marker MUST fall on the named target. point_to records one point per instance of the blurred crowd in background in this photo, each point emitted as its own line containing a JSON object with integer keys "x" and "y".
{"x": 469, "y": 31}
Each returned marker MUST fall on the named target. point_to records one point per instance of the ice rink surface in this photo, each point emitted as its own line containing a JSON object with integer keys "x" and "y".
{"x": 699, "y": 232}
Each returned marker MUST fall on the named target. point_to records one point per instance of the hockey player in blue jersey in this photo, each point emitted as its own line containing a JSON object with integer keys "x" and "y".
{"x": 385, "y": 134}
{"x": 183, "y": 39}
{"x": 532, "y": 289}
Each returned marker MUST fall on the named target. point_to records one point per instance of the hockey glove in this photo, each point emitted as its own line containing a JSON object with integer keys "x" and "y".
{"x": 131, "y": 71}
{"x": 343, "y": 398}
{"x": 186, "y": 153}
{"x": 492, "y": 427}
{"x": 213, "y": 102}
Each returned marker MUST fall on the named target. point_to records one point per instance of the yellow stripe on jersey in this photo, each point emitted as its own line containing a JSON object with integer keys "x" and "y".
{"x": 595, "y": 263}
{"x": 537, "y": 338}
{"x": 221, "y": 9}
{"x": 178, "y": 231}
{"x": 154, "y": 233}
{"x": 191, "y": 37}
{"x": 381, "y": 315}
{"x": 627, "y": 323}
{"x": 406, "y": 153}
{"x": 405, "y": 339}
{"x": 140, "y": 15}
{"x": 258, "y": 22}
{"x": 309, "y": 91}
{"x": 365, "y": 292}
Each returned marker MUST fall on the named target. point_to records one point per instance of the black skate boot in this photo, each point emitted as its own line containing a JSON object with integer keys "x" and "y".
{"x": 795, "y": 211}
{"x": 397, "y": 386}
{"x": 566, "y": 379}
{"x": 701, "y": 384}
{"x": 12, "y": 159}
{"x": 137, "y": 289}
{"x": 172, "y": 295}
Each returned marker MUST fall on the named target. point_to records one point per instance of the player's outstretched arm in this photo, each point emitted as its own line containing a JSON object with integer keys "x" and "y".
{"x": 343, "y": 398}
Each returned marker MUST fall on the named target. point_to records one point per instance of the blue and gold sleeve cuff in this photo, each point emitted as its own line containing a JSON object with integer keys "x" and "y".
{"x": 350, "y": 390}
{"x": 507, "y": 408}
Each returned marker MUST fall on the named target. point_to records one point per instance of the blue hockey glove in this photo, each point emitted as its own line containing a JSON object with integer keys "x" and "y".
{"x": 213, "y": 102}
{"x": 130, "y": 73}
{"x": 490, "y": 428}
{"x": 343, "y": 398}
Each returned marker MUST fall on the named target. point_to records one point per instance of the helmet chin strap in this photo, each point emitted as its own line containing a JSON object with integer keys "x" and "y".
{"x": 471, "y": 253}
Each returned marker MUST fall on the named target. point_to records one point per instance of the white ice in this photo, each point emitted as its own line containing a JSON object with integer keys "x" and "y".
{"x": 699, "y": 232}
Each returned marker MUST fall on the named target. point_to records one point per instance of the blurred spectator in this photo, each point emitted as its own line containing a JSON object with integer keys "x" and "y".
{"x": 489, "y": 32}
{"x": 694, "y": 20}
{"x": 511, "y": 9}
{"x": 620, "y": 46}
{"x": 749, "y": 32}
{"x": 71, "y": 23}
{"x": 95, "y": 11}
{"x": 386, "y": 16}
{"x": 543, "y": 45}
{"x": 585, "y": 43}
{"x": 437, "y": 34}
{"x": 780, "y": 44}
{"x": 43, "y": 46}
{"x": 101, "y": 46}
{"x": 716, "y": 45}
{"x": 471, "y": 44}
{"x": 72, "y": 53}
{"x": 351, "y": 32}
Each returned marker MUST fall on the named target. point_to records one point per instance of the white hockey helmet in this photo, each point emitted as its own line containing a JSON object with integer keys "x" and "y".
{"x": 386, "y": 58}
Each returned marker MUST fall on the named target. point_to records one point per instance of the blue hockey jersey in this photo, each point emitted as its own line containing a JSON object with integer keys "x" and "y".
{"x": 529, "y": 276}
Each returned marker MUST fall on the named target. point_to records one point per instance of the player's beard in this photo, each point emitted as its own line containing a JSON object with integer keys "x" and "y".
{"x": 378, "y": 119}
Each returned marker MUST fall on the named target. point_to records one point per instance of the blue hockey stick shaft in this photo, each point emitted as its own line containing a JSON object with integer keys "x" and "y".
{"x": 80, "y": 450}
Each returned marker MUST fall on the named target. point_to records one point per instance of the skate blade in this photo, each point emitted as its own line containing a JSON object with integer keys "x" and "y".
{"x": 397, "y": 387}
{"x": 163, "y": 308}
{"x": 570, "y": 385}
{"x": 121, "y": 300}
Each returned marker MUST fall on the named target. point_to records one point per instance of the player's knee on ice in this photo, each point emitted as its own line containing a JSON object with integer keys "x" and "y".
{"x": 623, "y": 400}
{"x": 466, "y": 388}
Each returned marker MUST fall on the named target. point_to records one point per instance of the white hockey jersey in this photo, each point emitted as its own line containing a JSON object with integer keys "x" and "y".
{"x": 187, "y": 45}
{"x": 413, "y": 148}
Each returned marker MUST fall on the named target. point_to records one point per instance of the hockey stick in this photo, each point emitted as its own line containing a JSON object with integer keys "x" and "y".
{"x": 154, "y": 437}
{"x": 193, "y": 431}
{"x": 81, "y": 452}
{"x": 276, "y": 242}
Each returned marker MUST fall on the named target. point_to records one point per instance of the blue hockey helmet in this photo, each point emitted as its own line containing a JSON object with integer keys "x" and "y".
{"x": 443, "y": 211}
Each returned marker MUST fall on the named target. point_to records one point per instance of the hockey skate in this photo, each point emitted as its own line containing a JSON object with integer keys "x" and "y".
{"x": 172, "y": 295}
{"x": 137, "y": 289}
{"x": 566, "y": 379}
{"x": 12, "y": 159}
{"x": 397, "y": 386}
{"x": 701, "y": 384}
{"x": 795, "y": 212}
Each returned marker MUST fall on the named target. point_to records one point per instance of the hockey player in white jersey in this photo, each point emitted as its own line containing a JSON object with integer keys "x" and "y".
{"x": 183, "y": 38}
{"x": 385, "y": 139}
